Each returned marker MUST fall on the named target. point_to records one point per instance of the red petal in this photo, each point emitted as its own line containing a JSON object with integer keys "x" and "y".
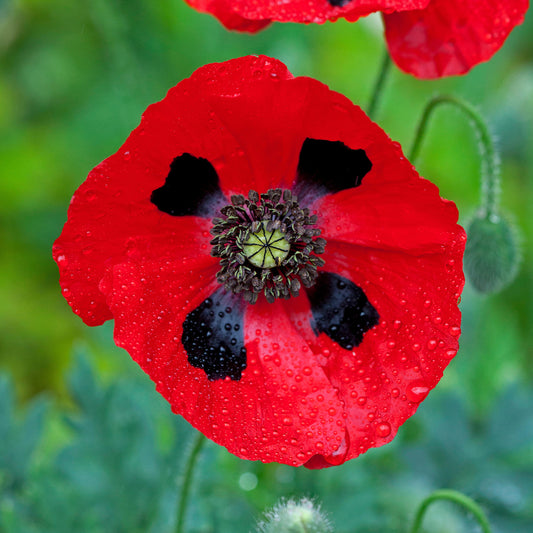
{"x": 251, "y": 148}
{"x": 100, "y": 225}
{"x": 269, "y": 143}
{"x": 101, "y": 231}
{"x": 402, "y": 358}
{"x": 282, "y": 409}
{"x": 222, "y": 108}
{"x": 451, "y": 36}
{"x": 408, "y": 216}
{"x": 223, "y": 11}
{"x": 232, "y": 13}
{"x": 399, "y": 241}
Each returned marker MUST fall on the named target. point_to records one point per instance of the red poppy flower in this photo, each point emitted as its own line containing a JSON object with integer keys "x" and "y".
{"x": 426, "y": 38}
{"x": 272, "y": 261}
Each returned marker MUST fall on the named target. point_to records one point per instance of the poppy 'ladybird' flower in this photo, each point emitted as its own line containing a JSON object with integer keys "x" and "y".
{"x": 272, "y": 261}
{"x": 426, "y": 38}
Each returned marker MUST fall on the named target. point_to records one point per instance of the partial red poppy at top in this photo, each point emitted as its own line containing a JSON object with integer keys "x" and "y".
{"x": 426, "y": 38}
{"x": 272, "y": 261}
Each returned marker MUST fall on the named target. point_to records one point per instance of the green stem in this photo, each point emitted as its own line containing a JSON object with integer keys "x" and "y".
{"x": 490, "y": 173}
{"x": 187, "y": 480}
{"x": 456, "y": 497}
{"x": 379, "y": 84}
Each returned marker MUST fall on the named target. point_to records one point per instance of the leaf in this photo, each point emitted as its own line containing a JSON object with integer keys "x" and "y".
{"x": 19, "y": 435}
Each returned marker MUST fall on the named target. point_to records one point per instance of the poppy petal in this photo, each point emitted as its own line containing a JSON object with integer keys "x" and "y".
{"x": 100, "y": 224}
{"x": 306, "y": 11}
{"x": 102, "y": 232}
{"x": 283, "y": 132}
{"x": 450, "y": 37}
{"x": 394, "y": 237}
{"x": 393, "y": 209}
{"x": 282, "y": 408}
{"x": 404, "y": 356}
{"x": 222, "y": 10}
{"x": 400, "y": 243}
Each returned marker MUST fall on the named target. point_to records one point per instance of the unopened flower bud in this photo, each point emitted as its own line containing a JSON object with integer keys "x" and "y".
{"x": 302, "y": 516}
{"x": 492, "y": 253}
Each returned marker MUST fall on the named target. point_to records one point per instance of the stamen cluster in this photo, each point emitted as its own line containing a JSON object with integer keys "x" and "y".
{"x": 256, "y": 219}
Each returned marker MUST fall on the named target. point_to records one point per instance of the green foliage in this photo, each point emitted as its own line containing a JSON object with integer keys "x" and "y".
{"x": 19, "y": 437}
{"x": 112, "y": 475}
{"x": 117, "y": 464}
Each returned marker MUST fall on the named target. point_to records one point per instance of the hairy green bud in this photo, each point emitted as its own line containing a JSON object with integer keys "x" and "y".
{"x": 492, "y": 253}
{"x": 302, "y": 516}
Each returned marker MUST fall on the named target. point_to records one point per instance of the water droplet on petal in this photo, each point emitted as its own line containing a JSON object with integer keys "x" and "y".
{"x": 455, "y": 331}
{"x": 432, "y": 344}
{"x": 417, "y": 391}
{"x": 383, "y": 429}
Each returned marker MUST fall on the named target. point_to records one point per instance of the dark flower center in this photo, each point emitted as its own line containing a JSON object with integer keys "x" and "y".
{"x": 267, "y": 243}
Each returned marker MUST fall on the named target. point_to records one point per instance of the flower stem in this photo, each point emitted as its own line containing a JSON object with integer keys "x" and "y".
{"x": 187, "y": 480}
{"x": 379, "y": 84}
{"x": 490, "y": 172}
{"x": 455, "y": 497}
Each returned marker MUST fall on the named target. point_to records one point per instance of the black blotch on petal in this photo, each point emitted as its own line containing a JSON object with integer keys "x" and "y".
{"x": 191, "y": 188}
{"x": 327, "y": 167}
{"x": 338, "y": 3}
{"x": 213, "y": 336}
{"x": 341, "y": 310}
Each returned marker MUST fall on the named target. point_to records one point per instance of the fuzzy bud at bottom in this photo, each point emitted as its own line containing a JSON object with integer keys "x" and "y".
{"x": 290, "y": 516}
{"x": 492, "y": 253}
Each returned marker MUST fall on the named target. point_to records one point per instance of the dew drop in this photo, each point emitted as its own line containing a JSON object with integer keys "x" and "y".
{"x": 417, "y": 391}
{"x": 455, "y": 331}
{"x": 90, "y": 195}
{"x": 383, "y": 429}
{"x": 432, "y": 344}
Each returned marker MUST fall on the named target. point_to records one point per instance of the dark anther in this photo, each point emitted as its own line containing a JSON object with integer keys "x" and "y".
{"x": 327, "y": 167}
{"x": 191, "y": 188}
{"x": 341, "y": 310}
{"x": 213, "y": 339}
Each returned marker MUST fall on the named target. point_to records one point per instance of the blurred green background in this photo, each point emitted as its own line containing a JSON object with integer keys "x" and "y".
{"x": 75, "y": 78}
